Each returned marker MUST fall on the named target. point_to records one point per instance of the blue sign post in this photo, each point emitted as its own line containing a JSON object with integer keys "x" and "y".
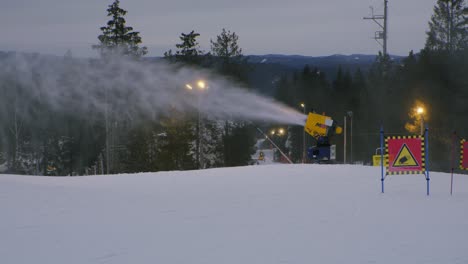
{"x": 382, "y": 157}
{"x": 426, "y": 145}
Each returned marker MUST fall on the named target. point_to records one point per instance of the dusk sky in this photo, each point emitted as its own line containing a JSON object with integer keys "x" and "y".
{"x": 302, "y": 27}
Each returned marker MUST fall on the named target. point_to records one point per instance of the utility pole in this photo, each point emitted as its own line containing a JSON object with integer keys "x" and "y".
{"x": 381, "y": 35}
{"x": 199, "y": 140}
{"x": 303, "y": 137}
{"x": 350, "y": 114}
{"x": 106, "y": 114}
{"x": 344, "y": 141}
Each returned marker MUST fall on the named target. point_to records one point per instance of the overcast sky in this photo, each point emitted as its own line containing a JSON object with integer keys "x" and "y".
{"x": 303, "y": 27}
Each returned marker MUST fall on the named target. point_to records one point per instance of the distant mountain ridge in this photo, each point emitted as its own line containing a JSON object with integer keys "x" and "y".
{"x": 293, "y": 61}
{"x": 299, "y": 61}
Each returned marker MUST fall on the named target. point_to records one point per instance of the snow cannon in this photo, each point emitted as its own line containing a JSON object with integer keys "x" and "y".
{"x": 321, "y": 126}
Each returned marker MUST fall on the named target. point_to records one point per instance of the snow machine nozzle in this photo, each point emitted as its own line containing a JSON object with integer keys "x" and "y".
{"x": 321, "y": 125}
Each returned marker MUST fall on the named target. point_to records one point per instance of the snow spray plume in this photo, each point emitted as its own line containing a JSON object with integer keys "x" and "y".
{"x": 138, "y": 89}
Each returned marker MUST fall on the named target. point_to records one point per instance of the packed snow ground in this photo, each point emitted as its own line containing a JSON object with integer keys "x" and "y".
{"x": 246, "y": 215}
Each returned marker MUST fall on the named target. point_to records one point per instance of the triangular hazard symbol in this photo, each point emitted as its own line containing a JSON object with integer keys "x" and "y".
{"x": 405, "y": 158}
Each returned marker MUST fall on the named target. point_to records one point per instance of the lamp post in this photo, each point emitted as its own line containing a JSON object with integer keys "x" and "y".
{"x": 281, "y": 131}
{"x": 420, "y": 111}
{"x": 303, "y": 136}
{"x": 350, "y": 114}
{"x": 276, "y": 138}
{"x": 344, "y": 141}
{"x": 201, "y": 85}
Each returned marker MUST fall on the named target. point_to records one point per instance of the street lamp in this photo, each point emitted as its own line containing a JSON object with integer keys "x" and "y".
{"x": 201, "y": 85}
{"x": 303, "y": 136}
{"x": 350, "y": 114}
{"x": 276, "y": 139}
{"x": 278, "y": 132}
{"x": 420, "y": 111}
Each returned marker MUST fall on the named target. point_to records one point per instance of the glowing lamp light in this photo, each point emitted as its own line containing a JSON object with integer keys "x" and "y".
{"x": 201, "y": 84}
{"x": 420, "y": 110}
{"x": 302, "y": 105}
{"x": 188, "y": 86}
{"x": 281, "y": 131}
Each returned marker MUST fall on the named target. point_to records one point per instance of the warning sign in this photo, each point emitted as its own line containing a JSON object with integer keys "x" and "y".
{"x": 261, "y": 156}
{"x": 376, "y": 160}
{"x": 463, "y": 154}
{"x": 405, "y": 155}
{"x": 405, "y": 158}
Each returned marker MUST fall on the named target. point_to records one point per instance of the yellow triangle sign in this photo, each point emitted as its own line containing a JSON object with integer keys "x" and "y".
{"x": 405, "y": 158}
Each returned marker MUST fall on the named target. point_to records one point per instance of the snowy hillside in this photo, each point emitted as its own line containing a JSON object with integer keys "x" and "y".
{"x": 246, "y": 215}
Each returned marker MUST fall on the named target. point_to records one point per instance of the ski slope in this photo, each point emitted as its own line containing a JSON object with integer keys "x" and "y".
{"x": 246, "y": 215}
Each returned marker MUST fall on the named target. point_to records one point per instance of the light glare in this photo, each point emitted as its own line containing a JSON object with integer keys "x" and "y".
{"x": 201, "y": 84}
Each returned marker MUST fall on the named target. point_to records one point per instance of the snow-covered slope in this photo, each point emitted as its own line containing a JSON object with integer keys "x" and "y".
{"x": 257, "y": 214}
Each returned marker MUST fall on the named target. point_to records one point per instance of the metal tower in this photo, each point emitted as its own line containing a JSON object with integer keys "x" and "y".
{"x": 381, "y": 35}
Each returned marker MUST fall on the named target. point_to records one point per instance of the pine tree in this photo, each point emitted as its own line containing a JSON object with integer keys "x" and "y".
{"x": 176, "y": 147}
{"x": 338, "y": 83}
{"x": 211, "y": 144}
{"x": 117, "y": 39}
{"x": 227, "y": 56}
{"x": 241, "y": 143}
{"x": 230, "y": 62}
{"x": 448, "y": 29}
{"x": 142, "y": 148}
{"x": 340, "y": 90}
{"x": 188, "y": 51}
{"x": 226, "y": 46}
{"x": 381, "y": 69}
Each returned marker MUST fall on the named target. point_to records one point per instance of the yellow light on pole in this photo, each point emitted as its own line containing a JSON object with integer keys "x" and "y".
{"x": 281, "y": 131}
{"x": 201, "y": 84}
{"x": 420, "y": 111}
{"x": 272, "y": 132}
{"x": 303, "y": 136}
